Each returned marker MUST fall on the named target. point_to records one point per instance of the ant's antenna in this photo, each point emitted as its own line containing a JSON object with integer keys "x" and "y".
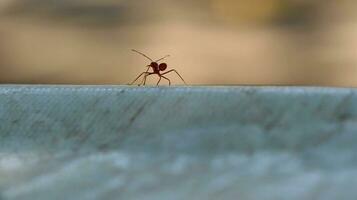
{"x": 162, "y": 58}
{"x": 142, "y": 55}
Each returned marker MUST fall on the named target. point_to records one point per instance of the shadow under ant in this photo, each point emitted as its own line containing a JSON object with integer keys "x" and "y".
{"x": 157, "y": 69}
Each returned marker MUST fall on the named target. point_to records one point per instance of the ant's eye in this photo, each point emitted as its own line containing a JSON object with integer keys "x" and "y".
{"x": 162, "y": 66}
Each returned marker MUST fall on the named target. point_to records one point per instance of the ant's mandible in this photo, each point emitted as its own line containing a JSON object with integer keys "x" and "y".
{"x": 157, "y": 69}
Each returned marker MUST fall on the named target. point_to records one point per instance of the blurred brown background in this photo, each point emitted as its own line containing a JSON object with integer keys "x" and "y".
{"x": 289, "y": 42}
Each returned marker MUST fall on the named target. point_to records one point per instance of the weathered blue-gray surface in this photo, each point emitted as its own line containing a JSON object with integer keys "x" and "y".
{"x": 119, "y": 142}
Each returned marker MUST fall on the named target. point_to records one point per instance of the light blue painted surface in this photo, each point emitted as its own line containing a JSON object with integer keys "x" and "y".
{"x": 120, "y": 142}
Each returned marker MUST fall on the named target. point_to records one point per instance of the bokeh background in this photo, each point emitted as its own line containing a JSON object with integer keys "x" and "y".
{"x": 270, "y": 42}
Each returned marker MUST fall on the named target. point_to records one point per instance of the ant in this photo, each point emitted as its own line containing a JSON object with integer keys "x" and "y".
{"x": 156, "y": 70}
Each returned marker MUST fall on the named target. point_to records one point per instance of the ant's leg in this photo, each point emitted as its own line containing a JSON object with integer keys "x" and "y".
{"x": 143, "y": 82}
{"x": 138, "y": 77}
{"x": 148, "y": 67}
{"x": 167, "y": 79}
{"x": 176, "y": 73}
{"x": 158, "y": 81}
{"x": 145, "y": 79}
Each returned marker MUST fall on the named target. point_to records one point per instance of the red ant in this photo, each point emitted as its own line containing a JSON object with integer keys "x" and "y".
{"x": 156, "y": 70}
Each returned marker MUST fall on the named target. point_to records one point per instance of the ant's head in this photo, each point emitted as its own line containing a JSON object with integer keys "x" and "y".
{"x": 162, "y": 66}
{"x": 154, "y": 65}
